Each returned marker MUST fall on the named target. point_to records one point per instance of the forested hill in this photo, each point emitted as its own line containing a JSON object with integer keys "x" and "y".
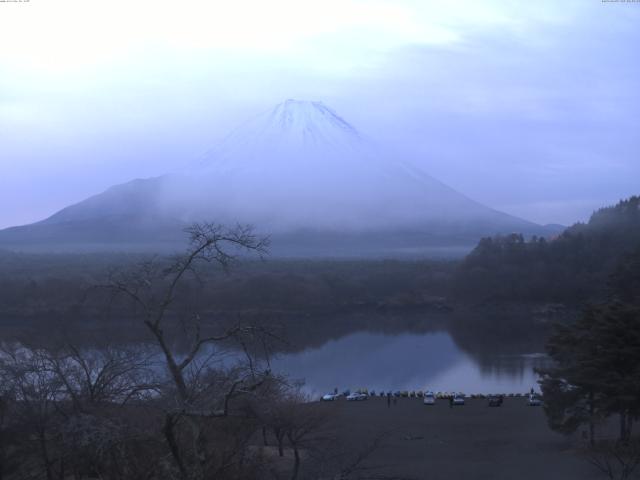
{"x": 573, "y": 268}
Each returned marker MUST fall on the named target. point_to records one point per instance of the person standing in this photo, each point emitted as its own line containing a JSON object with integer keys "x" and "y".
{"x": 388, "y": 401}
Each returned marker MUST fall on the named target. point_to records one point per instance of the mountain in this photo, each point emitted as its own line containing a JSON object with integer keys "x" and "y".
{"x": 298, "y": 172}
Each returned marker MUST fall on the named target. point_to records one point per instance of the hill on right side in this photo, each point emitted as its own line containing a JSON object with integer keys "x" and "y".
{"x": 576, "y": 267}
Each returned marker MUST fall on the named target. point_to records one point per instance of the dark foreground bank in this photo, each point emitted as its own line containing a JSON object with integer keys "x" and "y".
{"x": 472, "y": 441}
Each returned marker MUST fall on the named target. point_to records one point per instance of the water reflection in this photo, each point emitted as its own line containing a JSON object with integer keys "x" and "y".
{"x": 407, "y": 361}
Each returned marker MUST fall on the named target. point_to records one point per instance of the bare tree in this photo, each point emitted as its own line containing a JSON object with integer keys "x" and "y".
{"x": 26, "y": 377}
{"x": 72, "y": 408}
{"x": 615, "y": 459}
{"x": 93, "y": 376}
{"x": 304, "y": 430}
{"x": 197, "y": 392}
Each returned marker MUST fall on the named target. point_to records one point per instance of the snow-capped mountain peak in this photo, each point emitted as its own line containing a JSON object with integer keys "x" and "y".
{"x": 309, "y": 118}
{"x": 293, "y": 129}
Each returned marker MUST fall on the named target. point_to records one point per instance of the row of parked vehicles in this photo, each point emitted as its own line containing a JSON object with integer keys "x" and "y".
{"x": 533, "y": 400}
{"x": 428, "y": 397}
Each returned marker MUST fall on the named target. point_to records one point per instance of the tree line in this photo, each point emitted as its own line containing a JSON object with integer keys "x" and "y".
{"x": 572, "y": 268}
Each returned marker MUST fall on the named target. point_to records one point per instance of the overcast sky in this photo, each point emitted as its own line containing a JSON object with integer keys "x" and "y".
{"x": 531, "y": 107}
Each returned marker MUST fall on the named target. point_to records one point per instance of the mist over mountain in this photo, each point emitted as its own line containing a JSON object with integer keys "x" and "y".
{"x": 299, "y": 173}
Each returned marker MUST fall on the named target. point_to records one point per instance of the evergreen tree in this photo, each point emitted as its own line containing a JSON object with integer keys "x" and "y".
{"x": 570, "y": 387}
{"x": 596, "y": 370}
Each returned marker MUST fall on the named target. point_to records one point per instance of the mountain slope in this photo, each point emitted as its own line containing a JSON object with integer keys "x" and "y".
{"x": 299, "y": 172}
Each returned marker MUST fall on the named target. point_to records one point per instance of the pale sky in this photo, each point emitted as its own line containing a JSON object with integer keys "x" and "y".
{"x": 529, "y": 107}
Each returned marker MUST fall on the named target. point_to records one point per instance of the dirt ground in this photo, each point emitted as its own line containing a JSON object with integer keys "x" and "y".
{"x": 472, "y": 441}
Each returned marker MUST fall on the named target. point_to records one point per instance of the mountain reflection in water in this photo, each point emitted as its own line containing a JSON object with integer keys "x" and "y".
{"x": 407, "y": 361}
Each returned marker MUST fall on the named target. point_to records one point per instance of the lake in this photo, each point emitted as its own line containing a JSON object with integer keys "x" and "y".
{"x": 407, "y": 361}
{"x": 402, "y": 353}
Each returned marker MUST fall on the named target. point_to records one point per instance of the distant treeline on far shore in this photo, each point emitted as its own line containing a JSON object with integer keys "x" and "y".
{"x": 571, "y": 269}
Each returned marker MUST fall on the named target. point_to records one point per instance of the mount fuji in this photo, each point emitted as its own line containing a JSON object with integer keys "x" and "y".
{"x": 299, "y": 173}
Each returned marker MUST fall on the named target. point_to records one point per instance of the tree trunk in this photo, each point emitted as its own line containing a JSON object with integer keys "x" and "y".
{"x": 280, "y": 447}
{"x": 45, "y": 455}
{"x": 199, "y": 444}
{"x": 172, "y": 365}
{"x": 296, "y": 458}
{"x": 296, "y": 463}
{"x": 623, "y": 426}
{"x": 167, "y": 430}
{"x": 279, "y": 434}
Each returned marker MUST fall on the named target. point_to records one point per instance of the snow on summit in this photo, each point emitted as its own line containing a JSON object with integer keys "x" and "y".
{"x": 293, "y": 130}
{"x": 299, "y": 167}
{"x": 312, "y": 120}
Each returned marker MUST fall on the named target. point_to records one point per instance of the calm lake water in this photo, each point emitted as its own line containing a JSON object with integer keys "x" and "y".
{"x": 407, "y": 361}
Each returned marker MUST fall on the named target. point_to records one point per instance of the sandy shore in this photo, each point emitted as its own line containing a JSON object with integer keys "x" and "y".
{"x": 472, "y": 441}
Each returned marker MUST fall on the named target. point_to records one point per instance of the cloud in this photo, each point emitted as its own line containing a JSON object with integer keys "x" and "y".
{"x": 509, "y": 102}
{"x": 68, "y": 35}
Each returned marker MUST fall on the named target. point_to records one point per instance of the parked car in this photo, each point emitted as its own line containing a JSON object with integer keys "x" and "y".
{"x": 458, "y": 399}
{"x": 356, "y": 397}
{"x": 329, "y": 397}
{"x": 495, "y": 400}
{"x": 429, "y": 398}
{"x": 534, "y": 401}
